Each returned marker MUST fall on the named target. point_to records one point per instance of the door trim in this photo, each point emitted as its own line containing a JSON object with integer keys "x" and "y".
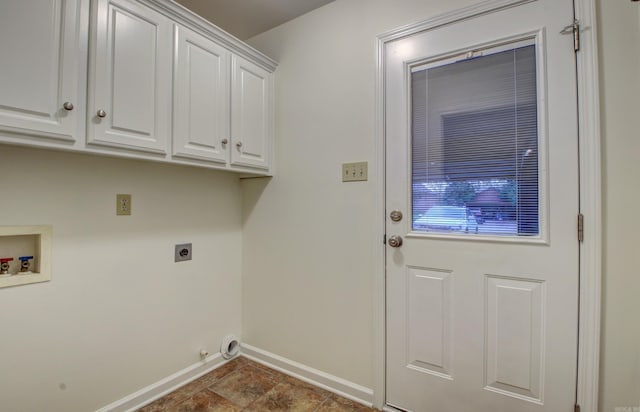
{"x": 590, "y": 195}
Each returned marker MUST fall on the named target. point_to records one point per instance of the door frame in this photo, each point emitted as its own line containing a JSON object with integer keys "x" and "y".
{"x": 590, "y": 195}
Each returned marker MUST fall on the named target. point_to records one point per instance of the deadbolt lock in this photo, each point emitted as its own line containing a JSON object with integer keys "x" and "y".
{"x": 396, "y": 215}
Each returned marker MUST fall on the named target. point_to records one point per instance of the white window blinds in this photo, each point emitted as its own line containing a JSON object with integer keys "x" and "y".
{"x": 475, "y": 144}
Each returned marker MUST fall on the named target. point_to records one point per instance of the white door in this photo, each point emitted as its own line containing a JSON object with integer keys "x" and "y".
{"x": 251, "y": 91}
{"x": 40, "y": 68}
{"x": 201, "y": 98}
{"x": 130, "y": 77}
{"x": 482, "y": 163}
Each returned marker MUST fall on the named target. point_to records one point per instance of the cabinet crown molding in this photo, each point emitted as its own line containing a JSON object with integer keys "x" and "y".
{"x": 187, "y": 18}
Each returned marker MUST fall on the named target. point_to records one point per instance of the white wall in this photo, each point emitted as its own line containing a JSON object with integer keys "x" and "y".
{"x": 620, "y": 92}
{"x": 308, "y": 254}
{"x": 308, "y": 257}
{"x": 118, "y": 314}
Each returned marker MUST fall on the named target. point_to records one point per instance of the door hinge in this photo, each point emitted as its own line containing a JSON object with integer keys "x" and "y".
{"x": 580, "y": 227}
{"x": 576, "y": 408}
{"x": 573, "y": 29}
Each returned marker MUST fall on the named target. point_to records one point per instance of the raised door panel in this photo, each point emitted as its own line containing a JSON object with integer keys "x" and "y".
{"x": 514, "y": 324}
{"x": 39, "y": 45}
{"x": 130, "y": 104}
{"x": 201, "y": 98}
{"x": 429, "y": 316}
{"x": 250, "y": 114}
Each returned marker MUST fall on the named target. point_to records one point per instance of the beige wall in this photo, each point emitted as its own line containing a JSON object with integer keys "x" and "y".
{"x": 308, "y": 257}
{"x": 118, "y": 314}
{"x": 308, "y": 266}
{"x": 620, "y": 93}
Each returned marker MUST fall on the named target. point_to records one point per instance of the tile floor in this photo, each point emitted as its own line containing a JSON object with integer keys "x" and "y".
{"x": 244, "y": 385}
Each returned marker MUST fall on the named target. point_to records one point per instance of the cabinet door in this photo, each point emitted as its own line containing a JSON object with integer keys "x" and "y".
{"x": 130, "y": 77}
{"x": 40, "y": 70}
{"x": 251, "y": 118}
{"x": 201, "y": 98}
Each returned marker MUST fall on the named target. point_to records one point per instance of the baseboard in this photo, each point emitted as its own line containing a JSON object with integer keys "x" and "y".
{"x": 167, "y": 385}
{"x": 313, "y": 376}
{"x": 305, "y": 373}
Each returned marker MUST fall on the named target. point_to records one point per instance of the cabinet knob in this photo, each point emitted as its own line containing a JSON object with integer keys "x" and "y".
{"x": 101, "y": 113}
{"x": 239, "y": 145}
{"x": 225, "y": 141}
{"x": 68, "y": 106}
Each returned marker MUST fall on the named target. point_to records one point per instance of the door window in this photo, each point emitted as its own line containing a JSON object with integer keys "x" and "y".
{"x": 475, "y": 143}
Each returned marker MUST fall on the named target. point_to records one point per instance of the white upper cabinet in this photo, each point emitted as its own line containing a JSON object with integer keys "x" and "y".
{"x": 201, "y": 98}
{"x": 142, "y": 79}
{"x": 41, "y": 70}
{"x": 129, "y": 103}
{"x": 251, "y": 114}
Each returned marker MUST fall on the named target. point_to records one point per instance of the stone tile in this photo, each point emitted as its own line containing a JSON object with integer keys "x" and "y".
{"x": 189, "y": 389}
{"x": 277, "y": 375}
{"x": 242, "y": 383}
{"x": 158, "y": 405}
{"x": 222, "y": 371}
{"x": 245, "y": 385}
{"x": 337, "y": 403}
{"x": 180, "y": 394}
{"x": 302, "y": 384}
{"x": 285, "y": 397}
{"x": 258, "y": 365}
{"x": 284, "y": 378}
{"x": 205, "y": 401}
{"x": 183, "y": 393}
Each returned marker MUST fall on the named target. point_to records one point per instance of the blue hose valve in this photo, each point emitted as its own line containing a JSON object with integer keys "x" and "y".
{"x": 25, "y": 263}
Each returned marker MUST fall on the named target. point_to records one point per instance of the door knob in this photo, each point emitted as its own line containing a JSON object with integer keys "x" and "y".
{"x": 101, "y": 113}
{"x": 395, "y": 241}
{"x": 68, "y": 106}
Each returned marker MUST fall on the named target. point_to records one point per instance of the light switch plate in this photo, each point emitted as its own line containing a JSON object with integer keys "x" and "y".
{"x": 355, "y": 172}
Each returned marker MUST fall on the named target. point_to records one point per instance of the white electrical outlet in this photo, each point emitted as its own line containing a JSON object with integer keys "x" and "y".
{"x": 123, "y": 204}
{"x": 355, "y": 172}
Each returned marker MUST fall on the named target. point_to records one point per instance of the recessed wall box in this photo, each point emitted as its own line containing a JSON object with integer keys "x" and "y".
{"x": 27, "y": 252}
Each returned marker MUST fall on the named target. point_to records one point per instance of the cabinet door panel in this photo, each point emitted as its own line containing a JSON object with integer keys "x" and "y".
{"x": 131, "y": 75}
{"x": 133, "y": 54}
{"x": 250, "y": 114}
{"x": 201, "y": 98}
{"x": 39, "y": 67}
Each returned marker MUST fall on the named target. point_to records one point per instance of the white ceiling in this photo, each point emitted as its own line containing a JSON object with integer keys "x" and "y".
{"x": 246, "y": 18}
